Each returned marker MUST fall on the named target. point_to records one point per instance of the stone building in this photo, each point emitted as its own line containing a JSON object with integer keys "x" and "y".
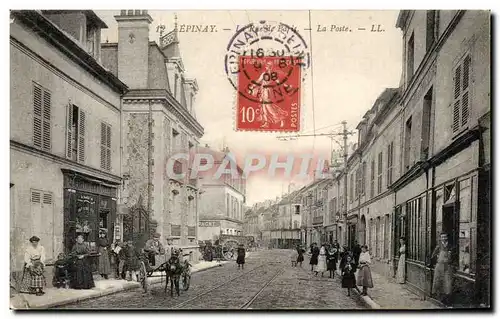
{"x": 371, "y": 170}
{"x": 313, "y": 206}
{"x": 222, "y": 198}
{"x": 445, "y": 185}
{"x": 158, "y": 123}
{"x": 65, "y": 132}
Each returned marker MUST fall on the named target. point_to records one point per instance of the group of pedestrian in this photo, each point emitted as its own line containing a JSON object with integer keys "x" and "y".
{"x": 328, "y": 256}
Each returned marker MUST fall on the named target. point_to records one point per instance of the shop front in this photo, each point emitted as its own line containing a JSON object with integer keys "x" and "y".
{"x": 89, "y": 209}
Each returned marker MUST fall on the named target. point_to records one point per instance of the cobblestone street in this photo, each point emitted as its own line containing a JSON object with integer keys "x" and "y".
{"x": 267, "y": 282}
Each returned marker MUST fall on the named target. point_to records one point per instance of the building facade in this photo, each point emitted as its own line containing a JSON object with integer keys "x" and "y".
{"x": 159, "y": 129}
{"x": 65, "y": 132}
{"x": 222, "y": 199}
{"x": 446, "y": 107}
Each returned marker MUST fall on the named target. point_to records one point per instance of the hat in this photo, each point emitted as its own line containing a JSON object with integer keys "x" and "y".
{"x": 34, "y": 239}
{"x": 156, "y": 235}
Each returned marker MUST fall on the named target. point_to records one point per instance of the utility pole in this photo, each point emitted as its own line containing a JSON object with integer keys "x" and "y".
{"x": 345, "y": 133}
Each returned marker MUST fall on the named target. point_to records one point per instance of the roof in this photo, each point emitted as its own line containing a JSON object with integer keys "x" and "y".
{"x": 58, "y": 38}
{"x": 402, "y": 17}
{"x": 90, "y": 14}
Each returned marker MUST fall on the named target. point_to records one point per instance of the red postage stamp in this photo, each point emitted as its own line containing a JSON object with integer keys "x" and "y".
{"x": 268, "y": 94}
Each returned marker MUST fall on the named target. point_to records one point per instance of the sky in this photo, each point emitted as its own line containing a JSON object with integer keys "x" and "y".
{"x": 348, "y": 72}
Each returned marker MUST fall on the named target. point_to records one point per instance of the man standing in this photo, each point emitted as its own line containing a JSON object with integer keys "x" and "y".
{"x": 169, "y": 248}
{"x": 442, "y": 285}
{"x": 152, "y": 248}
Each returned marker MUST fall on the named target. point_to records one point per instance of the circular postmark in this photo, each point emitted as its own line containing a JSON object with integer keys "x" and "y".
{"x": 262, "y": 57}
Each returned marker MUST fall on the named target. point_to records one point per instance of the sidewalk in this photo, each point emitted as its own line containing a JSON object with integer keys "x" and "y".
{"x": 388, "y": 294}
{"x": 57, "y": 297}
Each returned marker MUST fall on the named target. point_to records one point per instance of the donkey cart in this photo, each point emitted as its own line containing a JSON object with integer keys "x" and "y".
{"x": 178, "y": 273}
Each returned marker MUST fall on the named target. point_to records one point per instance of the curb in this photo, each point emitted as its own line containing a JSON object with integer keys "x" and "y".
{"x": 97, "y": 294}
{"x": 366, "y": 299}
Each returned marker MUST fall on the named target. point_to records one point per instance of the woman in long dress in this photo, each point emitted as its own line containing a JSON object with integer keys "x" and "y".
{"x": 364, "y": 274}
{"x": 321, "y": 267}
{"x": 104, "y": 264}
{"x": 34, "y": 262}
{"x": 82, "y": 274}
{"x": 240, "y": 260}
{"x": 401, "y": 274}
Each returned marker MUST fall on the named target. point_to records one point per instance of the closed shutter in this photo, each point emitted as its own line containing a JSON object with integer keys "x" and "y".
{"x": 456, "y": 103}
{"x": 465, "y": 91}
{"x": 103, "y": 146}
{"x": 108, "y": 144}
{"x": 37, "y": 116}
{"x": 69, "y": 132}
{"x": 47, "y": 141}
{"x": 81, "y": 137}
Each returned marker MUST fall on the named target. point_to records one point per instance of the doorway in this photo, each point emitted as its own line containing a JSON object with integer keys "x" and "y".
{"x": 449, "y": 226}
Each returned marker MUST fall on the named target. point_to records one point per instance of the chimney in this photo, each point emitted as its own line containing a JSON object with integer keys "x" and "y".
{"x": 133, "y": 47}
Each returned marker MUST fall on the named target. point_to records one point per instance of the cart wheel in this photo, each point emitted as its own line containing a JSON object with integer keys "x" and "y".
{"x": 186, "y": 280}
{"x": 143, "y": 277}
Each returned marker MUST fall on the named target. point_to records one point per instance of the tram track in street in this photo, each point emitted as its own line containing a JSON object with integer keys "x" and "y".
{"x": 233, "y": 287}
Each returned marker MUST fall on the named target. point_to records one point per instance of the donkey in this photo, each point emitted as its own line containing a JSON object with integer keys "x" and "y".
{"x": 173, "y": 271}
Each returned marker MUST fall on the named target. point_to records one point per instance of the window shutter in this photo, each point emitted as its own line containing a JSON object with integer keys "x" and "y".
{"x": 37, "y": 116}
{"x": 456, "y": 103}
{"x": 108, "y": 144}
{"x": 81, "y": 137}
{"x": 47, "y": 145}
{"x": 47, "y": 198}
{"x": 465, "y": 90}
{"x": 103, "y": 146}
{"x": 35, "y": 197}
{"x": 69, "y": 125}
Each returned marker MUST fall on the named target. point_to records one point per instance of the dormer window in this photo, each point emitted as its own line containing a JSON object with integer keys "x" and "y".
{"x": 91, "y": 40}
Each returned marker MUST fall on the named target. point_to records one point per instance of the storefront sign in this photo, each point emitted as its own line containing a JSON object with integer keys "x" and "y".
{"x": 209, "y": 224}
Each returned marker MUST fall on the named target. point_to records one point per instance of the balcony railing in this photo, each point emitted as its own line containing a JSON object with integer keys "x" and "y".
{"x": 318, "y": 220}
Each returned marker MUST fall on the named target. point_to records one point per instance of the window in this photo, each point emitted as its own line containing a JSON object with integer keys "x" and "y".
{"x": 297, "y": 209}
{"x": 426, "y": 125}
{"x": 410, "y": 59}
{"x": 176, "y": 84}
{"x": 415, "y": 230}
{"x": 42, "y": 118}
{"x": 372, "y": 180}
{"x": 379, "y": 177}
{"x": 176, "y": 230}
{"x": 333, "y": 209}
{"x": 75, "y": 134}
{"x": 430, "y": 29}
{"x": 228, "y": 204}
{"x": 351, "y": 190}
{"x": 461, "y": 96}
{"x": 467, "y": 234}
{"x": 386, "y": 236}
{"x": 407, "y": 149}
{"x": 378, "y": 236}
{"x": 105, "y": 146}
{"x": 191, "y": 231}
{"x": 363, "y": 178}
{"x": 390, "y": 162}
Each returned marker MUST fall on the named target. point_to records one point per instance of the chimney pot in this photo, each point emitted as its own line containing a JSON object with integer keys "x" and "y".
{"x": 130, "y": 12}
{"x": 123, "y": 12}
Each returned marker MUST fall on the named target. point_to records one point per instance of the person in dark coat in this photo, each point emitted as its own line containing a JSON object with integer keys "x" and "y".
{"x": 348, "y": 277}
{"x": 331, "y": 260}
{"x": 240, "y": 260}
{"x": 60, "y": 278}
{"x": 104, "y": 264}
{"x": 356, "y": 251}
{"x": 132, "y": 264}
{"x": 314, "y": 256}
{"x": 343, "y": 257}
{"x": 300, "y": 256}
{"x": 81, "y": 277}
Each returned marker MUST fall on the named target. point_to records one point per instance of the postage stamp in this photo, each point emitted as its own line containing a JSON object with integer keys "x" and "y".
{"x": 265, "y": 63}
{"x": 268, "y": 94}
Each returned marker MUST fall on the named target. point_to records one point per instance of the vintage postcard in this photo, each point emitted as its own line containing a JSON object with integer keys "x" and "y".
{"x": 245, "y": 159}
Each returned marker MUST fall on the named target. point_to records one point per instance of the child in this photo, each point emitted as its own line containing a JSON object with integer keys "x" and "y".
{"x": 61, "y": 275}
{"x": 131, "y": 261}
{"x": 240, "y": 260}
{"x": 348, "y": 278}
{"x": 294, "y": 257}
